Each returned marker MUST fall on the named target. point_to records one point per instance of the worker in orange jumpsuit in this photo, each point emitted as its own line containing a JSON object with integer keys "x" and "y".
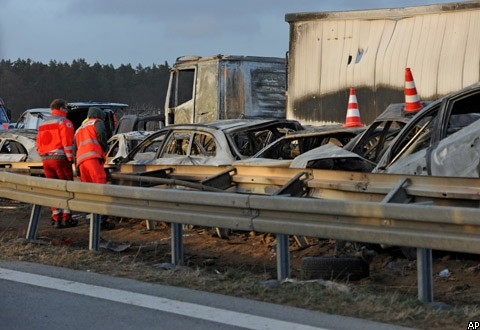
{"x": 89, "y": 149}
{"x": 55, "y": 146}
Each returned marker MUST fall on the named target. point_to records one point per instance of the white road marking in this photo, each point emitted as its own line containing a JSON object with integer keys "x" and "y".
{"x": 217, "y": 315}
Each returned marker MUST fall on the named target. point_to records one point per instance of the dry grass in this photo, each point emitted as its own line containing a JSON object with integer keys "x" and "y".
{"x": 359, "y": 300}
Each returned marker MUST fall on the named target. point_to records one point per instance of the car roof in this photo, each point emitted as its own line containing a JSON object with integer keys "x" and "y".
{"x": 132, "y": 135}
{"x": 396, "y": 111}
{"x": 38, "y": 110}
{"x": 231, "y": 124}
{"x": 84, "y": 106}
{"x": 28, "y": 133}
{"x": 324, "y": 130}
{"x": 74, "y": 105}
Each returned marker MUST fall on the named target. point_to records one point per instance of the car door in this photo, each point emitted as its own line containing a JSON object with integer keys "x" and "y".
{"x": 435, "y": 142}
{"x": 193, "y": 147}
{"x": 408, "y": 152}
{"x": 456, "y": 150}
{"x": 148, "y": 150}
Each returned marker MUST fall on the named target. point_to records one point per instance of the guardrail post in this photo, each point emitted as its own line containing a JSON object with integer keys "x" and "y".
{"x": 424, "y": 275}
{"x": 150, "y": 224}
{"x": 283, "y": 257}
{"x": 94, "y": 241}
{"x": 33, "y": 224}
{"x": 177, "y": 243}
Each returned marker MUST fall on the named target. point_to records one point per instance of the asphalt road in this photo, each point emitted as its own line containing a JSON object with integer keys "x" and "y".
{"x": 41, "y": 297}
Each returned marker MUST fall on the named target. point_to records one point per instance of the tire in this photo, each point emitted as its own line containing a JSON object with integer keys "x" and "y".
{"x": 331, "y": 268}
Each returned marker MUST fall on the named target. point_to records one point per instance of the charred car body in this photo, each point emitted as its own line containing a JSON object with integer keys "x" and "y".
{"x": 282, "y": 151}
{"x": 364, "y": 151}
{"x": 214, "y": 143}
{"x": 18, "y": 146}
{"x": 119, "y": 145}
{"x": 443, "y": 139}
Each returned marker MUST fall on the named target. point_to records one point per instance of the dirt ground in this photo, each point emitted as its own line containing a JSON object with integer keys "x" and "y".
{"x": 255, "y": 252}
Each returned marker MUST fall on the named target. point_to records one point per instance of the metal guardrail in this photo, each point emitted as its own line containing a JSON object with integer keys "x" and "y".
{"x": 324, "y": 184}
{"x": 426, "y": 227}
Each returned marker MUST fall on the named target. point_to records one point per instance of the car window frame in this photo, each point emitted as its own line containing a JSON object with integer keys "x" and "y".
{"x": 391, "y": 155}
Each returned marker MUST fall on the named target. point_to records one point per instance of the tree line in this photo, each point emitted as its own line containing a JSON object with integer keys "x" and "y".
{"x": 25, "y": 84}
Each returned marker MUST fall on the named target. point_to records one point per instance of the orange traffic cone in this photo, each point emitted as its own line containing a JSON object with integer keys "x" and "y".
{"x": 412, "y": 100}
{"x": 353, "y": 114}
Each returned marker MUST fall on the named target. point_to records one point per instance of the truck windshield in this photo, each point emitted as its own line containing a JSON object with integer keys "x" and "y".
{"x": 183, "y": 90}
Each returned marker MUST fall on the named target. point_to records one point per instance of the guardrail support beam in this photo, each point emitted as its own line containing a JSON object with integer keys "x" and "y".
{"x": 150, "y": 224}
{"x": 222, "y": 180}
{"x": 424, "y": 275}
{"x": 398, "y": 193}
{"x": 283, "y": 257}
{"x": 33, "y": 223}
{"x": 94, "y": 241}
{"x": 177, "y": 243}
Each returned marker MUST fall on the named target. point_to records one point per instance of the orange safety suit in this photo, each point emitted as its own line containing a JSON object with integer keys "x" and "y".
{"x": 90, "y": 154}
{"x": 55, "y": 146}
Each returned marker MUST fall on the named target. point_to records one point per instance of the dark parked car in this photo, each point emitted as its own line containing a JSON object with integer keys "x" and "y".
{"x": 134, "y": 122}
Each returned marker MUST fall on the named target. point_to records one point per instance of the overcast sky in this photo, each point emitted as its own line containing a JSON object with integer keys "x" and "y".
{"x": 150, "y": 32}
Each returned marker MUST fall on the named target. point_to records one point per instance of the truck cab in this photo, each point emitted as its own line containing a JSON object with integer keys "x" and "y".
{"x": 217, "y": 87}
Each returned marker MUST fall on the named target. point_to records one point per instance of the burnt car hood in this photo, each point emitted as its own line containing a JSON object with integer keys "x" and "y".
{"x": 330, "y": 156}
{"x": 267, "y": 162}
{"x": 185, "y": 160}
{"x": 27, "y": 138}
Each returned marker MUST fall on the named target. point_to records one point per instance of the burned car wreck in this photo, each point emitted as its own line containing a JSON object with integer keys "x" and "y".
{"x": 281, "y": 152}
{"x": 18, "y": 145}
{"x": 363, "y": 152}
{"x": 120, "y": 144}
{"x": 214, "y": 143}
{"x": 441, "y": 140}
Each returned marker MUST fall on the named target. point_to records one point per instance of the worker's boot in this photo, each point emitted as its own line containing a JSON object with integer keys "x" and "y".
{"x": 71, "y": 222}
{"x": 59, "y": 224}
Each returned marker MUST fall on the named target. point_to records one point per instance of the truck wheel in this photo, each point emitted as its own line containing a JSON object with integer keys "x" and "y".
{"x": 331, "y": 268}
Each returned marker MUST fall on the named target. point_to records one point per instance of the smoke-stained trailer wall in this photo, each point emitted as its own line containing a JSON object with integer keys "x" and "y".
{"x": 329, "y": 52}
